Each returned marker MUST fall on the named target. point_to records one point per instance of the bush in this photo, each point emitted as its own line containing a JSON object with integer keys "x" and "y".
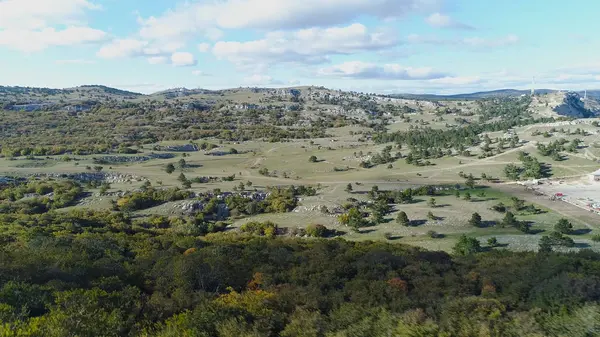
{"x": 317, "y": 231}
{"x": 268, "y": 228}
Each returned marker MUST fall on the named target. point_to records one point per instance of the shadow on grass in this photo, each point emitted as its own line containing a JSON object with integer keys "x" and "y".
{"x": 416, "y": 223}
{"x": 536, "y": 231}
{"x": 582, "y": 245}
{"x": 487, "y": 224}
{"x": 332, "y": 233}
{"x": 580, "y": 231}
{"x": 490, "y": 248}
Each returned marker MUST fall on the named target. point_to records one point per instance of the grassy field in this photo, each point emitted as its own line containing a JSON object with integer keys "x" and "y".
{"x": 338, "y": 160}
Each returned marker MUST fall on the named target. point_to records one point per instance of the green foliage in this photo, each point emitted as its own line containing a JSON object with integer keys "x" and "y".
{"x": 317, "y": 231}
{"x": 563, "y": 226}
{"x": 312, "y": 159}
{"x": 151, "y": 197}
{"x": 107, "y": 278}
{"x": 466, "y": 246}
{"x": 267, "y": 229}
{"x": 354, "y": 218}
{"x": 402, "y": 219}
{"x": 475, "y": 220}
{"x": 37, "y": 197}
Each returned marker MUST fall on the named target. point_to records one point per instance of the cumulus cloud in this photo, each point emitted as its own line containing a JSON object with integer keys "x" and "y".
{"x": 30, "y": 25}
{"x": 204, "y": 47}
{"x": 308, "y": 46}
{"x": 199, "y": 17}
{"x": 120, "y": 48}
{"x": 36, "y": 14}
{"x": 37, "y": 40}
{"x": 258, "y": 79}
{"x": 183, "y": 59}
{"x": 471, "y": 42}
{"x": 444, "y": 21}
{"x": 364, "y": 70}
{"x": 158, "y": 60}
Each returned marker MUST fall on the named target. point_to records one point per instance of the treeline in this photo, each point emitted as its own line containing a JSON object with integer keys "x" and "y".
{"x": 495, "y": 115}
{"x": 103, "y": 279}
{"x": 149, "y": 197}
{"x": 37, "y": 197}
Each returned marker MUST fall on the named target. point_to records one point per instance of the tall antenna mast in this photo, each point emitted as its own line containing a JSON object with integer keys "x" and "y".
{"x": 533, "y": 86}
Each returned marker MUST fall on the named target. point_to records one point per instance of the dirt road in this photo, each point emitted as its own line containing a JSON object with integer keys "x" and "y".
{"x": 569, "y": 211}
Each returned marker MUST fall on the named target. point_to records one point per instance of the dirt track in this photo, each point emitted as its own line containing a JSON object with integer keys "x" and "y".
{"x": 587, "y": 218}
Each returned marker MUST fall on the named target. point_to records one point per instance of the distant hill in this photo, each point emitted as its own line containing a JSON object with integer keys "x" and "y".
{"x": 474, "y": 95}
{"x": 108, "y": 90}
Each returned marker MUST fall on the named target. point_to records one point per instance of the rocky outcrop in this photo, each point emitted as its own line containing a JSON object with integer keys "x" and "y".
{"x": 574, "y": 106}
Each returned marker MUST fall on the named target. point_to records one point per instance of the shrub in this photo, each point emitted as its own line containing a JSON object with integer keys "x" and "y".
{"x": 317, "y": 231}
{"x": 268, "y": 228}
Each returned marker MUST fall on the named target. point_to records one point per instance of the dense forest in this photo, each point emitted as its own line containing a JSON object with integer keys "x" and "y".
{"x": 85, "y": 273}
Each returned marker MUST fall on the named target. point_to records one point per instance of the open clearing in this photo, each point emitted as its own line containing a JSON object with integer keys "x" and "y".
{"x": 337, "y": 166}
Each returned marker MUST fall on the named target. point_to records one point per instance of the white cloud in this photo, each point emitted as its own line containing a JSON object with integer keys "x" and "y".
{"x": 183, "y": 59}
{"x": 204, "y": 47}
{"x": 37, "y": 40}
{"x": 158, "y": 59}
{"x": 74, "y": 61}
{"x": 214, "y": 34}
{"x": 444, "y": 21}
{"x": 309, "y": 46}
{"x": 30, "y": 25}
{"x": 472, "y": 42}
{"x": 258, "y": 79}
{"x": 121, "y": 48}
{"x": 199, "y": 17}
{"x": 363, "y": 70}
{"x": 36, "y": 14}
{"x": 200, "y": 73}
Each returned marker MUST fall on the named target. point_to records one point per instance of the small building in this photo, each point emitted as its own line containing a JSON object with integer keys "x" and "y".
{"x": 596, "y": 175}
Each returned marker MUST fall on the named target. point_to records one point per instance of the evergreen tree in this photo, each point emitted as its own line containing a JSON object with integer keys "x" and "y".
{"x": 563, "y": 226}
{"x": 402, "y": 219}
{"x": 475, "y": 220}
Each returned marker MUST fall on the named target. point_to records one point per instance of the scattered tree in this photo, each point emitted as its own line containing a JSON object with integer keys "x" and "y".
{"x": 349, "y": 188}
{"x": 467, "y": 246}
{"x": 402, "y": 219}
{"x": 563, "y": 226}
{"x": 475, "y": 220}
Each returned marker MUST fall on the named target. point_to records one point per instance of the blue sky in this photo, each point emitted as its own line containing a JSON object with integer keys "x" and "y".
{"x": 416, "y": 46}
